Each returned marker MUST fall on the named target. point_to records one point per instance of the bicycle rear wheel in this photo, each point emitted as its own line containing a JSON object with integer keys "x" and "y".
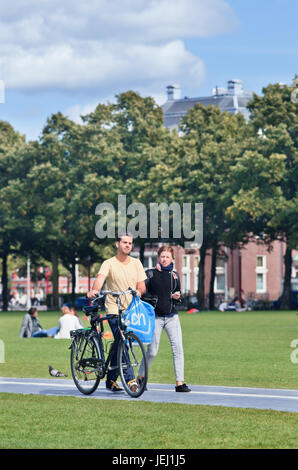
{"x": 131, "y": 354}
{"x": 86, "y": 364}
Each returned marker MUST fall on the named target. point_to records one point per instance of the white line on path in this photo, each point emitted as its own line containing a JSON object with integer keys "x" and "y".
{"x": 206, "y": 392}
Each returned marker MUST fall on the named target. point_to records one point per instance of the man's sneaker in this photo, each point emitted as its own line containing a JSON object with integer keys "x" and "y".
{"x": 133, "y": 385}
{"x": 113, "y": 386}
{"x": 182, "y": 388}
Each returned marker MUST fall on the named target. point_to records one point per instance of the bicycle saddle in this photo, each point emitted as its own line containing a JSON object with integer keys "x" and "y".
{"x": 90, "y": 309}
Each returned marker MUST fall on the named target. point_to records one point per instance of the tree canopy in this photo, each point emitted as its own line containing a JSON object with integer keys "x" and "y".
{"x": 245, "y": 174}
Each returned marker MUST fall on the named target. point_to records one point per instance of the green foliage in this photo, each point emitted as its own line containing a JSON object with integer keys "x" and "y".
{"x": 265, "y": 178}
{"x": 244, "y": 174}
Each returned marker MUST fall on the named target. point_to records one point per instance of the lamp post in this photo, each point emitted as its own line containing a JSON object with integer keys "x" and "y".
{"x": 77, "y": 287}
{"x": 28, "y": 304}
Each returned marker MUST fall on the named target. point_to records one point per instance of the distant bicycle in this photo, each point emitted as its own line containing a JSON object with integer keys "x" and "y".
{"x": 87, "y": 359}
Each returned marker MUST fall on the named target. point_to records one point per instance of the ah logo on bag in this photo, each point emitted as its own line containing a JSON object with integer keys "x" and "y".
{"x": 138, "y": 318}
{"x": 142, "y": 319}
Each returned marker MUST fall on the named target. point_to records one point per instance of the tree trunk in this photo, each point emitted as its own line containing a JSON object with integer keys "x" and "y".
{"x": 55, "y": 280}
{"x": 286, "y": 295}
{"x": 212, "y": 278}
{"x": 201, "y": 286}
{"x": 4, "y": 281}
{"x": 142, "y": 252}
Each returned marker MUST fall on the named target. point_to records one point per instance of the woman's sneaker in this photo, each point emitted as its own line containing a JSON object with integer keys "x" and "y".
{"x": 113, "y": 386}
{"x": 182, "y": 388}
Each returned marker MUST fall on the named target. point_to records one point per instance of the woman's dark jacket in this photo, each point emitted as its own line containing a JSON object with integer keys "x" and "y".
{"x": 162, "y": 284}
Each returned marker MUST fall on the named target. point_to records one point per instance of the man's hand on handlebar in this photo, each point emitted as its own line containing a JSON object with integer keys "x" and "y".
{"x": 92, "y": 293}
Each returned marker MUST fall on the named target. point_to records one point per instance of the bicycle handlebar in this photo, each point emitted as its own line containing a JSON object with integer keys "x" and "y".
{"x": 113, "y": 293}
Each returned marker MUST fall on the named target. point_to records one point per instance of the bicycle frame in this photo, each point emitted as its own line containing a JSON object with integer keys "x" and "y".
{"x": 93, "y": 332}
{"x": 88, "y": 353}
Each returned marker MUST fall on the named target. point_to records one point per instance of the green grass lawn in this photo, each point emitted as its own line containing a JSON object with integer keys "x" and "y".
{"x": 250, "y": 349}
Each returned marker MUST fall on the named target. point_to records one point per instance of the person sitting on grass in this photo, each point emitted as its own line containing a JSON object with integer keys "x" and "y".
{"x": 67, "y": 322}
{"x": 31, "y": 327}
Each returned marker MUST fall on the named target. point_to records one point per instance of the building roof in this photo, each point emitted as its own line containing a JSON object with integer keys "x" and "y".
{"x": 234, "y": 101}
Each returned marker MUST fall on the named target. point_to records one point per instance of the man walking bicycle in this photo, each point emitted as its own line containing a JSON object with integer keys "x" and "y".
{"x": 119, "y": 272}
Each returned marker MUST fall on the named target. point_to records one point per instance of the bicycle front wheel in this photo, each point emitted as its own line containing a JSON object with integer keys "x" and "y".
{"x": 86, "y": 363}
{"x": 131, "y": 355}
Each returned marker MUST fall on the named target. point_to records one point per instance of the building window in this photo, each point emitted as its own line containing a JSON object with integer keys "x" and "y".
{"x": 196, "y": 273}
{"x": 219, "y": 283}
{"x": 185, "y": 283}
{"x": 261, "y": 274}
{"x": 220, "y": 278}
{"x": 186, "y": 273}
{"x": 260, "y": 261}
{"x": 196, "y": 281}
{"x": 150, "y": 261}
{"x": 260, "y": 282}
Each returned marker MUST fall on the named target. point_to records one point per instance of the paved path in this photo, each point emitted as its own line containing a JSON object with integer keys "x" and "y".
{"x": 260, "y": 398}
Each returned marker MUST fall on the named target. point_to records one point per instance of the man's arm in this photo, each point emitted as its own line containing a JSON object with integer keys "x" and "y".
{"x": 97, "y": 285}
{"x": 141, "y": 288}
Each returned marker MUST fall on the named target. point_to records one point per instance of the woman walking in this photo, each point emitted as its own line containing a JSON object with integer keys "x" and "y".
{"x": 164, "y": 284}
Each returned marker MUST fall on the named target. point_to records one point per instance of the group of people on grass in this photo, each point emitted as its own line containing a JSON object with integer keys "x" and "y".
{"x": 31, "y": 327}
{"x": 226, "y": 306}
{"x": 161, "y": 283}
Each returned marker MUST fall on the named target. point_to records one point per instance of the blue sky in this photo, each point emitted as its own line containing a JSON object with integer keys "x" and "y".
{"x": 68, "y": 56}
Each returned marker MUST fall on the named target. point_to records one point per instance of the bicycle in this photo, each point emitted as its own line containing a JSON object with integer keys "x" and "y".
{"x": 87, "y": 359}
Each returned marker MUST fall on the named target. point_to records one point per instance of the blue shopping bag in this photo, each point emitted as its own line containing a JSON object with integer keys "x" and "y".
{"x": 142, "y": 319}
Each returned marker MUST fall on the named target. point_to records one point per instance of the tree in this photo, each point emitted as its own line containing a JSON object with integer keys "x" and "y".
{"x": 196, "y": 169}
{"x": 12, "y": 202}
{"x": 265, "y": 181}
{"x": 68, "y": 228}
{"x": 125, "y": 140}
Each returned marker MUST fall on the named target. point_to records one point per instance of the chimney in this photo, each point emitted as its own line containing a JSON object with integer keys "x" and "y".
{"x": 235, "y": 87}
{"x": 173, "y": 92}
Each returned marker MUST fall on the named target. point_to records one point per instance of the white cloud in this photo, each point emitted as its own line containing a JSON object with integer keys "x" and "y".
{"x": 105, "y": 43}
{"x": 76, "y": 111}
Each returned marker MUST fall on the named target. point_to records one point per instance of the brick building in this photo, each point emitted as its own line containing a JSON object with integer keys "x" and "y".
{"x": 250, "y": 273}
